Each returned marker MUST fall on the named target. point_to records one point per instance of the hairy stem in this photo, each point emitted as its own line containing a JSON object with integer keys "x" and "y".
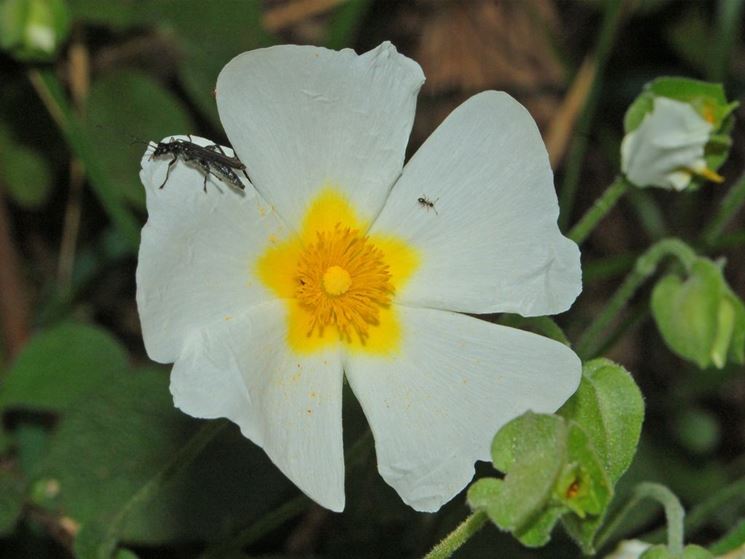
{"x": 729, "y": 207}
{"x": 178, "y": 461}
{"x": 674, "y": 514}
{"x": 599, "y": 209}
{"x": 458, "y": 537}
{"x": 645, "y": 266}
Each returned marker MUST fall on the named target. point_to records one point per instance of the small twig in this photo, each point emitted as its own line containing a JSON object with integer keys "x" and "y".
{"x": 14, "y": 312}
{"x": 612, "y": 17}
{"x": 288, "y": 14}
{"x": 562, "y": 124}
{"x": 79, "y": 73}
{"x": 304, "y": 537}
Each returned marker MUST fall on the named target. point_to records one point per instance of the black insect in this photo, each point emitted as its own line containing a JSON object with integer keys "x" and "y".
{"x": 212, "y": 159}
{"x": 427, "y": 204}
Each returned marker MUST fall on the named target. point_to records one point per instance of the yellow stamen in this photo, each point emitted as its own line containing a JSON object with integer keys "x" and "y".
{"x": 710, "y": 175}
{"x": 343, "y": 281}
{"x": 331, "y": 274}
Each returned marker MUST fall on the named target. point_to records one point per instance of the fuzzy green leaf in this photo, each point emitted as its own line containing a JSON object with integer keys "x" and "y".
{"x": 531, "y": 450}
{"x": 150, "y": 113}
{"x": 686, "y": 312}
{"x": 700, "y": 318}
{"x": 230, "y": 483}
{"x": 609, "y": 407}
{"x": 59, "y": 365}
{"x": 11, "y": 501}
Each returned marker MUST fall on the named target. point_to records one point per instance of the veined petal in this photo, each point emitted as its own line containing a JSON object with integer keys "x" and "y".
{"x": 242, "y": 369}
{"x": 197, "y": 253}
{"x": 303, "y": 118}
{"x": 436, "y": 406}
{"x": 489, "y": 242}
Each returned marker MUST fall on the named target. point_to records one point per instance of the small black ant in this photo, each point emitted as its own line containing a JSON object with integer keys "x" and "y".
{"x": 212, "y": 159}
{"x": 427, "y": 204}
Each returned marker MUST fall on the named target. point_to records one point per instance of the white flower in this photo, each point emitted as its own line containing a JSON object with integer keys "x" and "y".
{"x": 667, "y": 148}
{"x": 330, "y": 265}
{"x": 629, "y": 549}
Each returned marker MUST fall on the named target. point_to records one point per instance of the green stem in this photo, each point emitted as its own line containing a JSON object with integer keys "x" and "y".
{"x": 458, "y": 537}
{"x": 729, "y": 15}
{"x": 674, "y": 514}
{"x": 645, "y": 266}
{"x": 52, "y": 94}
{"x": 257, "y": 530}
{"x": 734, "y": 539}
{"x": 700, "y": 514}
{"x": 730, "y": 205}
{"x": 578, "y": 147}
{"x": 599, "y": 209}
{"x": 730, "y": 240}
{"x": 178, "y": 461}
{"x": 354, "y": 457}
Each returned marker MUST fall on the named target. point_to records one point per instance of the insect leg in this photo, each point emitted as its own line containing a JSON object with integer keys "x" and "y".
{"x": 207, "y": 171}
{"x": 168, "y": 171}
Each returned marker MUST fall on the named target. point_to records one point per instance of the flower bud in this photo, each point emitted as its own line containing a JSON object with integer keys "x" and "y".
{"x": 33, "y": 30}
{"x": 700, "y": 318}
{"x": 676, "y": 134}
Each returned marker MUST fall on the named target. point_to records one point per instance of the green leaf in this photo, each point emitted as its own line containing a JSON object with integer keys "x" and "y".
{"x": 150, "y": 113}
{"x": 59, "y": 365}
{"x": 27, "y": 177}
{"x": 538, "y": 532}
{"x": 737, "y": 339}
{"x": 531, "y": 450}
{"x": 690, "y": 552}
{"x": 609, "y": 407}
{"x": 119, "y": 15}
{"x": 126, "y": 429}
{"x": 687, "y": 312}
{"x": 209, "y": 35}
{"x": 11, "y": 501}
{"x": 701, "y": 319}
{"x": 345, "y": 23}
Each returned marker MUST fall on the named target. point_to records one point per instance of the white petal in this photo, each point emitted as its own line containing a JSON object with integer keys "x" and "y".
{"x": 196, "y": 253}
{"x": 304, "y": 117}
{"x": 669, "y": 141}
{"x": 289, "y": 405}
{"x": 435, "y": 407}
{"x": 491, "y": 242}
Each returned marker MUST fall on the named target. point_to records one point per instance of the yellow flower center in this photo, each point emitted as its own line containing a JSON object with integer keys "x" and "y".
{"x": 336, "y": 282}
{"x": 343, "y": 280}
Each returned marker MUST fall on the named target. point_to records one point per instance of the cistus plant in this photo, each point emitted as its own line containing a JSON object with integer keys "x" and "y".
{"x": 265, "y": 295}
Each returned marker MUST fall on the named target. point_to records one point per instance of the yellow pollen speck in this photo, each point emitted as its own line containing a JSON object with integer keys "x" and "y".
{"x": 336, "y": 281}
